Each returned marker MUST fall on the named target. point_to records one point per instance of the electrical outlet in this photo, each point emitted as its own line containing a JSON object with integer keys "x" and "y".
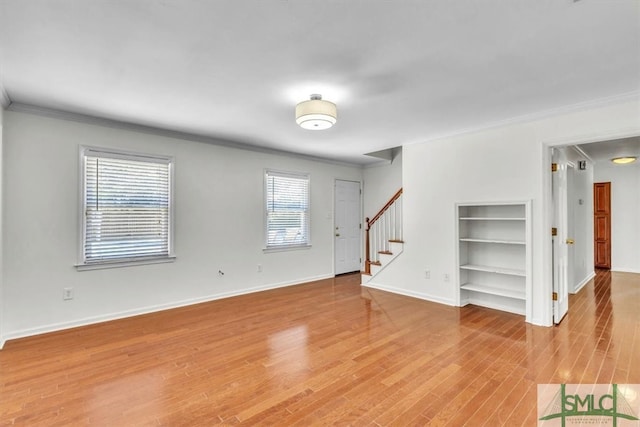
{"x": 427, "y": 274}
{"x": 446, "y": 277}
{"x": 67, "y": 294}
{"x": 259, "y": 268}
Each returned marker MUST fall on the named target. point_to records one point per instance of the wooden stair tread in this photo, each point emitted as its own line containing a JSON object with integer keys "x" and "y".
{"x": 385, "y": 252}
{"x": 396, "y": 241}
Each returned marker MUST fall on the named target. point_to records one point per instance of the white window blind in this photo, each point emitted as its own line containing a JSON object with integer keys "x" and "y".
{"x": 127, "y": 214}
{"x": 287, "y": 209}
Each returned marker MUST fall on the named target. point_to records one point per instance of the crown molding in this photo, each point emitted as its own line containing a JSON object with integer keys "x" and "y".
{"x": 133, "y": 127}
{"x": 540, "y": 115}
{"x": 588, "y": 138}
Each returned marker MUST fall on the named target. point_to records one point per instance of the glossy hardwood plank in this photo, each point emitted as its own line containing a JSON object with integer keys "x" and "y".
{"x": 322, "y": 353}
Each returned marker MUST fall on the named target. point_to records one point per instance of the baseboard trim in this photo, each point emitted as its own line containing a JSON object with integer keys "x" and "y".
{"x": 150, "y": 309}
{"x": 538, "y": 322}
{"x": 625, "y": 270}
{"x": 419, "y": 295}
{"x": 584, "y": 282}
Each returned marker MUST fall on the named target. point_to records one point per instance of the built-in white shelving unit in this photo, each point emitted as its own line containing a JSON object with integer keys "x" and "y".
{"x": 494, "y": 255}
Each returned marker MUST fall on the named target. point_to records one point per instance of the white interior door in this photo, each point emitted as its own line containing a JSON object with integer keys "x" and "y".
{"x": 570, "y": 230}
{"x": 347, "y": 227}
{"x": 560, "y": 242}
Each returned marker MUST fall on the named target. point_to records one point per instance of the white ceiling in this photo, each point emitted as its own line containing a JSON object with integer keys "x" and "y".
{"x": 399, "y": 71}
{"x": 605, "y": 151}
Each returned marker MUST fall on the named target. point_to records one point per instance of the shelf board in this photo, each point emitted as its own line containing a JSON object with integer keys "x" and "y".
{"x": 504, "y": 242}
{"x": 517, "y": 308}
{"x": 478, "y": 218}
{"x": 515, "y": 294}
{"x": 491, "y": 269}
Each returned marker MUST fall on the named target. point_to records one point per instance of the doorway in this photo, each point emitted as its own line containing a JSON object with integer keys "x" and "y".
{"x": 348, "y": 229}
{"x": 598, "y": 150}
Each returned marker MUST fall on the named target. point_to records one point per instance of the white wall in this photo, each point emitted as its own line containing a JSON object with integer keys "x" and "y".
{"x": 582, "y": 199}
{"x": 505, "y": 163}
{"x": 219, "y": 225}
{"x": 625, "y": 213}
{"x": 381, "y": 182}
{"x": 1, "y": 228}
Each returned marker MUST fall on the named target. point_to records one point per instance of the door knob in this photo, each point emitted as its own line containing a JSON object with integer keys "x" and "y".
{"x": 337, "y": 234}
{"x": 570, "y": 242}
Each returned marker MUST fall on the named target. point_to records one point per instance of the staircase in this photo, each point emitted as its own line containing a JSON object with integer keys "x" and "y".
{"x": 383, "y": 236}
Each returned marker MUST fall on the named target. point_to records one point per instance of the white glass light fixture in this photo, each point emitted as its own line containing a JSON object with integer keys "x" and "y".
{"x": 316, "y": 113}
{"x": 624, "y": 160}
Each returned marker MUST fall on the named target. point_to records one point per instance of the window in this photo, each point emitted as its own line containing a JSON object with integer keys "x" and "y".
{"x": 126, "y": 207}
{"x": 287, "y": 209}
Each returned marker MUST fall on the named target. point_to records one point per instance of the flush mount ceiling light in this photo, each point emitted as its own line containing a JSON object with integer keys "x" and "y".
{"x": 624, "y": 160}
{"x": 316, "y": 114}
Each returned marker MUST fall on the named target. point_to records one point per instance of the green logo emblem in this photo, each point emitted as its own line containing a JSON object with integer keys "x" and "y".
{"x": 590, "y": 404}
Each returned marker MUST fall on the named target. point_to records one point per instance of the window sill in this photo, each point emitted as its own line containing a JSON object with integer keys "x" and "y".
{"x": 285, "y": 248}
{"x": 124, "y": 263}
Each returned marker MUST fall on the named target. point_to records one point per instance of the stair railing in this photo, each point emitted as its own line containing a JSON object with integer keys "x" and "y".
{"x": 385, "y": 227}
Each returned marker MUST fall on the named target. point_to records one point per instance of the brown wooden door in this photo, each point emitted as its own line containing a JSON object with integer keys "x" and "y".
{"x": 602, "y": 224}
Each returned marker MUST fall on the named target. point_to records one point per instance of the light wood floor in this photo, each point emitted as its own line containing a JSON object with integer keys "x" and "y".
{"x": 322, "y": 353}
